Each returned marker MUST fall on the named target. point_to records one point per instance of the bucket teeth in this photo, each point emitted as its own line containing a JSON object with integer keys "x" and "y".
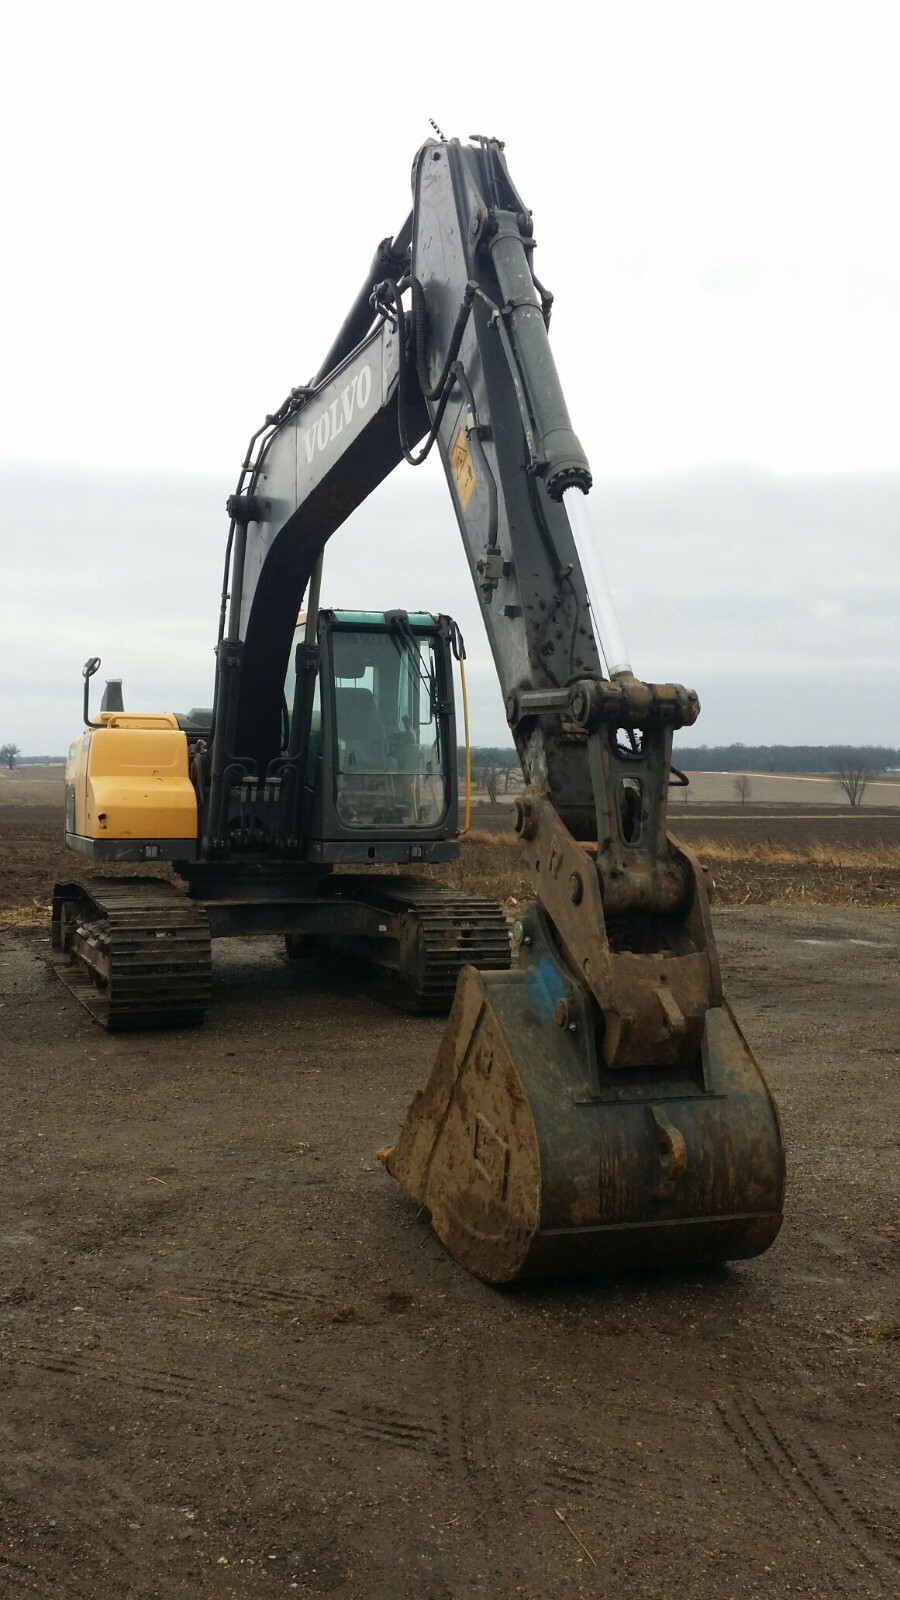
{"x": 468, "y": 1151}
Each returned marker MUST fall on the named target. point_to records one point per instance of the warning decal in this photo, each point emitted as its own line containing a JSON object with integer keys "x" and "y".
{"x": 462, "y": 468}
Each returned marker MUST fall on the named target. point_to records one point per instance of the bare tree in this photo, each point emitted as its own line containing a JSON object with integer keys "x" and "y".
{"x": 854, "y": 780}
{"x": 9, "y": 754}
{"x": 743, "y": 788}
{"x": 511, "y": 770}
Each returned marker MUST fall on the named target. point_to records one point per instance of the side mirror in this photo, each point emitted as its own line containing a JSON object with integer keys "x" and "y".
{"x": 87, "y": 672}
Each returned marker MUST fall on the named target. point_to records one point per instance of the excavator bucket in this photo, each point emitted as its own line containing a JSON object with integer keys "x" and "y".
{"x": 536, "y": 1160}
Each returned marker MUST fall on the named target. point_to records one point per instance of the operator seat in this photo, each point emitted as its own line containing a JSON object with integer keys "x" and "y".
{"x": 360, "y": 731}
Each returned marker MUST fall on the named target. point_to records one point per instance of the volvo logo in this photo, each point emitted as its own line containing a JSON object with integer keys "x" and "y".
{"x": 354, "y": 397}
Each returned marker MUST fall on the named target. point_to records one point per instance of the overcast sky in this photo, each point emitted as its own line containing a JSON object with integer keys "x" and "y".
{"x": 193, "y": 193}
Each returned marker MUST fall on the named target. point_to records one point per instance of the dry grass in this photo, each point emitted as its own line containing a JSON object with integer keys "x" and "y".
{"x": 745, "y": 883}
{"x": 489, "y": 864}
{"x": 488, "y": 836}
{"x": 32, "y": 786}
{"x": 810, "y": 872}
{"x": 772, "y": 872}
{"x": 815, "y": 852}
{"x": 31, "y": 914}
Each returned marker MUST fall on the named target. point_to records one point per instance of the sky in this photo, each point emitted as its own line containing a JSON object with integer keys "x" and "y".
{"x": 193, "y": 193}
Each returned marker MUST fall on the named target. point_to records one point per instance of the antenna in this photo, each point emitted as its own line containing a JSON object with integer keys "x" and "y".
{"x": 441, "y": 136}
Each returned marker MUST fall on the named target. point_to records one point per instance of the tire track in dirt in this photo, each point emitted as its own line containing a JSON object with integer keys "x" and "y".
{"x": 583, "y": 1465}
{"x": 252, "y": 1295}
{"x": 581, "y": 1482}
{"x": 483, "y": 1463}
{"x": 178, "y": 1387}
{"x": 380, "y": 1424}
{"x": 469, "y": 1432}
{"x": 309, "y": 1405}
{"x": 795, "y": 1464}
{"x": 476, "y": 1472}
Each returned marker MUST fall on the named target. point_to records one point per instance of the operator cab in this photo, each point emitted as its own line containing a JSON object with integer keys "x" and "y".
{"x": 381, "y": 760}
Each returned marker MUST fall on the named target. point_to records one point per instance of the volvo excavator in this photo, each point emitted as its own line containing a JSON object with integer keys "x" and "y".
{"x": 594, "y": 1106}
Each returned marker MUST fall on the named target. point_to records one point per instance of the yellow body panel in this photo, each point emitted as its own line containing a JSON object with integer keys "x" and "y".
{"x": 129, "y": 780}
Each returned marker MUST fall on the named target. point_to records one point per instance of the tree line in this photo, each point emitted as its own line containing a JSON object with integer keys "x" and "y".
{"x": 826, "y": 758}
{"x": 12, "y": 757}
{"x": 497, "y": 767}
{"x": 494, "y": 768}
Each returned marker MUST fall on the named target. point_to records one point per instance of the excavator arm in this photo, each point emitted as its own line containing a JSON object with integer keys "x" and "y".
{"x": 597, "y": 1106}
{"x": 307, "y": 469}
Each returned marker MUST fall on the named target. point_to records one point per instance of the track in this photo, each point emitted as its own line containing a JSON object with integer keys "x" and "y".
{"x": 135, "y": 952}
{"x": 440, "y": 932}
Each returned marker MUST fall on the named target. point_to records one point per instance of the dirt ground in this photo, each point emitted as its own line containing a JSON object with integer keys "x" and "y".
{"x": 235, "y": 1362}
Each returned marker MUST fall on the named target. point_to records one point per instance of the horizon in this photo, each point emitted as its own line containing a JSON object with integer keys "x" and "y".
{"x": 22, "y": 759}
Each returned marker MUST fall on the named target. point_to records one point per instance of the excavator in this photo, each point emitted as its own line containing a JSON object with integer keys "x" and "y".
{"x": 594, "y": 1105}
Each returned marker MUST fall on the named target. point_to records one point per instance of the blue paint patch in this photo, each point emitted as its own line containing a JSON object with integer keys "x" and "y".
{"x": 545, "y": 987}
